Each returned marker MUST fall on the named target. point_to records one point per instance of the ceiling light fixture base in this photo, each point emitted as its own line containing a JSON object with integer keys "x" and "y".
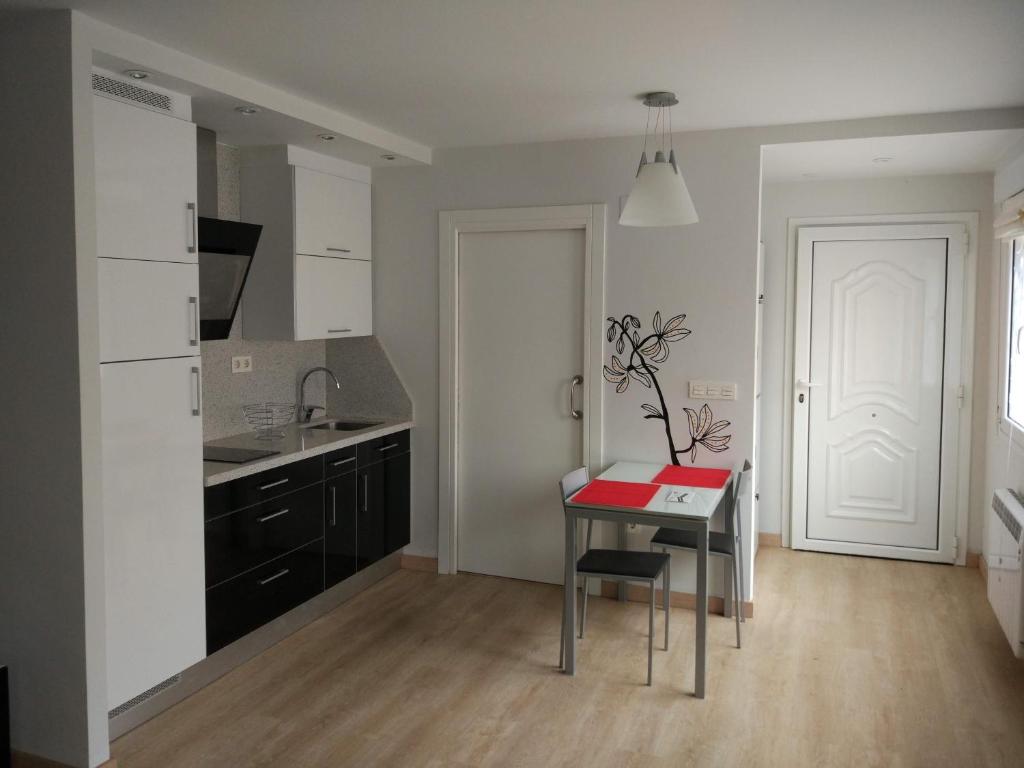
{"x": 660, "y": 99}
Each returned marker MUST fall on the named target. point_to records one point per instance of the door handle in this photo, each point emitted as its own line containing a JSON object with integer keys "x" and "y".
{"x": 278, "y": 575}
{"x": 272, "y": 515}
{"x": 808, "y": 384}
{"x": 366, "y": 491}
{"x": 573, "y": 386}
{"x": 195, "y": 227}
{"x": 274, "y": 484}
{"x": 193, "y": 319}
{"x": 197, "y": 392}
{"x": 339, "y": 250}
{"x": 334, "y": 505}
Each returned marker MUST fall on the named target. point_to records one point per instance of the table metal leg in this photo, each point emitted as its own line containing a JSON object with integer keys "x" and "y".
{"x": 702, "y": 611}
{"x": 569, "y": 606}
{"x": 622, "y": 535}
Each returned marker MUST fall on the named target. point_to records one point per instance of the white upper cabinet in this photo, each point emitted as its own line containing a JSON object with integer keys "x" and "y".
{"x": 145, "y": 184}
{"x": 332, "y": 215}
{"x": 332, "y": 298}
{"x": 311, "y": 277}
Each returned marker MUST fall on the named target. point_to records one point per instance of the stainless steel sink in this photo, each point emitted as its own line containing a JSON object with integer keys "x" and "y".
{"x": 344, "y": 426}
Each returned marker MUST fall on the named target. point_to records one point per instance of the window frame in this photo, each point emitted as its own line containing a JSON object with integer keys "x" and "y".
{"x": 1007, "y": 425}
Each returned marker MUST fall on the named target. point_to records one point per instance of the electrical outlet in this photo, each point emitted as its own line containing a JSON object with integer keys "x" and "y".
{"x": 241, "y": 364}
{"x": 712, "y": 390}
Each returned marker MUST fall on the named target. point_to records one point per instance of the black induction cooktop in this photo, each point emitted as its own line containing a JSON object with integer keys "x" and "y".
{"x": 235, "y": 455}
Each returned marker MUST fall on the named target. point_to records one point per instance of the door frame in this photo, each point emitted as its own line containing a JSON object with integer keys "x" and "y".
{"x": 961, "y": 231}
{"x": 589, "y": 218}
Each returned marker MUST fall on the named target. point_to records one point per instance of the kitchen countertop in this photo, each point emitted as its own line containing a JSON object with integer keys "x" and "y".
{"x": 299, "y": 442}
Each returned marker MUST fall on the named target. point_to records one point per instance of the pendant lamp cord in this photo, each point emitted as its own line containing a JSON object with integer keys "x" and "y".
{"x": 647, "y": 129}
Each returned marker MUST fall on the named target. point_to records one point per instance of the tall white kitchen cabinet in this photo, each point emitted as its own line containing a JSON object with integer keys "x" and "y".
{"x": 150, "y": 375}
{"x": 312, "y": 277}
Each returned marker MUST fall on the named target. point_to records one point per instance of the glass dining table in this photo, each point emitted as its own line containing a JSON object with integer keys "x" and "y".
{"x": 687, "y": 507}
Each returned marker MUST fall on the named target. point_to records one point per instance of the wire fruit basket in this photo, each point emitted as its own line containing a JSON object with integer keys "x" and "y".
{"x": 267, "y": 419}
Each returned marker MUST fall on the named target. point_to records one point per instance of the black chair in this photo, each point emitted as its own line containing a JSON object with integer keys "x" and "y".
{"x": 620, "y": 566}
{"x": 726, "y": 544}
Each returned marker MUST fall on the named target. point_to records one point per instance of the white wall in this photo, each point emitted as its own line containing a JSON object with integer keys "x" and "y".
{"x": 853, "y": 197}
{"x": 706, "y": 270}
{"x": 1004, "y": 457}
{"x": 52, "y": 634}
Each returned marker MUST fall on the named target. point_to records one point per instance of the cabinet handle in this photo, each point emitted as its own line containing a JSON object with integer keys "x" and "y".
{"x": 272, "y": 515}
{"x": 193, "y": 319}
{"x": 339, "y": 462}
{"x": 339, "y": 330}
{"x": 274, "y": 484}
{"x": 334, "y": 505}
{"x": 387, "y": 447}
{"x": 197, "y": 392}
{"x": 278, "y": 575}
{"x": 339, "y": 250}
{"x": 366, "y": 491}
{"x": 195, "y": 227}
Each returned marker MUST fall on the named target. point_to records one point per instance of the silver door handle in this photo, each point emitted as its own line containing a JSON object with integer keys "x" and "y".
{"x": 193, "y": 319}
{"x": 278, "y": 575}
{"x": 573, "y": 386}
{"x": 808, "y": 384}
{"x": 334, "y": 505}
{"x": 387, "y": 447}
{"x": 366, "y": 491}
{"x": 339, "y": 330}
{"x": 339, "y": 250}
{"x": 273, "y": 515}
{"x": 195, "y": 227}
{"x": 274, "y": 484}
{"x": 197, "y": 392}
{"x": 339, "y": 462}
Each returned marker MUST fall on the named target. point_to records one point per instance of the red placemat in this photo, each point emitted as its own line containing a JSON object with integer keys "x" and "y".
{"x": 698, "y": 477}
{"x": 616, "y": 493}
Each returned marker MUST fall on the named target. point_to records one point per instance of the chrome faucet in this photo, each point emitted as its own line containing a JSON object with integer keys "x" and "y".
{"x": 305, "y": 412}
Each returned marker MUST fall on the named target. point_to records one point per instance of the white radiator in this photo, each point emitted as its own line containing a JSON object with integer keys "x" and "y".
{"x": 1003, "y": 558}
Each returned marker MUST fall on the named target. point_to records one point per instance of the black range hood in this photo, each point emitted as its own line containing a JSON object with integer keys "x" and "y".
{"x": 226, "y": 249}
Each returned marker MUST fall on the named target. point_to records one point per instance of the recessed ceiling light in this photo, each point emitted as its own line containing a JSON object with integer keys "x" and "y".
{"x": 326, "y": 136}
{"x": 881, "y": 160}
{"x": 247, "y": 110}
{"x": 137, "y": 74}
{"x": 388, "y": 157}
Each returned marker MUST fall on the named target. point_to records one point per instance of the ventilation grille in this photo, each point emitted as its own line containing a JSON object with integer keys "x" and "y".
{"x": 1007, "y": 517}
{"x": 145, "y": 695}
{"x": 129, "y": 92}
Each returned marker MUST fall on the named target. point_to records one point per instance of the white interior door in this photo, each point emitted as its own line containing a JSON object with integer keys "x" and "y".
{"x": 521, "y": 330}
{"x": 870, "y": 394}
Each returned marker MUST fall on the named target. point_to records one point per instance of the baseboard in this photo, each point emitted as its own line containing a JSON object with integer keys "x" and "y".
{"x": 25, "y": 760}
{"x": 640, "y": 594}
{"x": 419, "y": 563}
{"x": 769, "y": 539}
{"x": 973, "y": 559}
{"x": 983, "y": 569}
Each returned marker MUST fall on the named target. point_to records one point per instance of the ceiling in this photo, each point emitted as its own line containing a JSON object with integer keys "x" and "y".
{"x": 458, "y": 73}
{"x": 892, "y": 156}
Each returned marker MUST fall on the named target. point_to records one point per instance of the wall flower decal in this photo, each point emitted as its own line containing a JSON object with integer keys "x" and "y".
{"x": 639, "y": 366}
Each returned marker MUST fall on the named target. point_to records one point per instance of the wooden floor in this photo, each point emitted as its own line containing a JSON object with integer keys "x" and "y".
{"x": 850, "y": 661}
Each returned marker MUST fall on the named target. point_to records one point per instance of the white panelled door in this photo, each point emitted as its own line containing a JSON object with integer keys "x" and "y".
{"x": 521, "y": 328}
{"x": 870, "y": 393}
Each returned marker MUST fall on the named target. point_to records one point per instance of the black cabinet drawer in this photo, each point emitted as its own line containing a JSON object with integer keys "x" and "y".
{"x": 249, "y": 537}
{"x": 249, "y": 601}
{"x": 341, "y": 461}
{"x": 380, "y": 448}
{"x": 246, "y": 491}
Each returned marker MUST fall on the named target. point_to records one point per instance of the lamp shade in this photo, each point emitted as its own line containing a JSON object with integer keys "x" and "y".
{"x": 659, "y": 197}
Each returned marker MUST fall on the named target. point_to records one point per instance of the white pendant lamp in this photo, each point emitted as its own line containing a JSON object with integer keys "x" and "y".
{"x": 659, "y": 197}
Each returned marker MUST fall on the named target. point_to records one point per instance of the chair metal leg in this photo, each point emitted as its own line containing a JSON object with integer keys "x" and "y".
{"x": 738, "y": 549}
{"x": 666, "y": 595}
{"x": 738, "y": 607}
{"x": 583, "y": 609}
{"x": 561, "y": 645}
{"x": 650, "y": 637}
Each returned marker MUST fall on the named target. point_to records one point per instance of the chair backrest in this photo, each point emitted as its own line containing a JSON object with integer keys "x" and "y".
{"x": 573, "y": 481}
{"x": 741, "y": 475}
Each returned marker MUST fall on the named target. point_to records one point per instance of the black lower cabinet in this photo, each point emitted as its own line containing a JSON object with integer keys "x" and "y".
{"x": 242, "y": 604}
{"x": 383, "y": 514}
{"x": 339, "y": 529}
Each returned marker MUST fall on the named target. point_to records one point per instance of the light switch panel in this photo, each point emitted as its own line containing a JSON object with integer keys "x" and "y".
{"x": 712, "y": 390}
